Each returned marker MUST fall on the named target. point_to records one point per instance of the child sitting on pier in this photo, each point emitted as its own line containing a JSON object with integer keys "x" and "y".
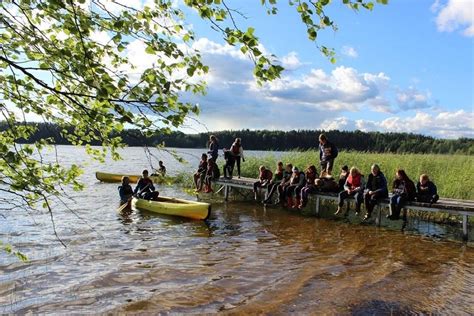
{"x": 403, "y": 191}
{"x": 297, "y": 180}
{"x": 212, "y": 173}
{"x": 200, "y": 173}
{"x": 309, "y": 187}
{"x": 426, "y": 190}
{"x": 279, "y": 186}
{"x": 277, "y": 178}
{"x": 343, "y": 177}
{"x": 264, "y": 179}
{"x": 375, "y": 190}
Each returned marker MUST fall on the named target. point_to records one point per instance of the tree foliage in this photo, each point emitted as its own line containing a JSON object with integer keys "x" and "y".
{"x": 55, "y": 68}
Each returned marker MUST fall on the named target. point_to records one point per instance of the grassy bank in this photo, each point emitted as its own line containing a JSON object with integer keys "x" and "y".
{"x": 451, "y": 173}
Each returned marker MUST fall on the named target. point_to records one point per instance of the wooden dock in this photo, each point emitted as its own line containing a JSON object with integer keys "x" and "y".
{"x": 463, "y": 208}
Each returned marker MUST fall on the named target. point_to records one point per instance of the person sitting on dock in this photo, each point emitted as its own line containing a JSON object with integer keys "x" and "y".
{"x": 426, "y": 190}
{"x": 376, "y": 189}
{"x": 229, "y": 164}
{"x": 403, "y": 191}
{"x": 354, "y": 186}
{"x": 213, "y": 148}
{"x": 297, "y": 180}
{"x": 264, "y": 179}
{"x": 145, "y": 189}
{"x": 309, "y": 187}
{"x": 200, "y": 173}
{"x": 277, "y": 178}
{"x": 327, "y": 153}
{"x": 280, "y": 186}
{"x": 343, "y": 177}
{"x": 125, "y": 190}
{"x": 326, "y": 184}
{"x": 212, "y": 173}
{"x": 237, "y": 152}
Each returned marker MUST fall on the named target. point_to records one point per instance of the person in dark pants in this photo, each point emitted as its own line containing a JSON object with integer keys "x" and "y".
{"x": 200, "y": 174}
{"x": 237, "y": 152}
{"x": 343, "y": 177}
{"x": 297, "y": 180}
{"x": 213, "y": 148}
{"x": 327, "y": 153}
{"x": 285, "y": 181}
{"x": 309, "y": 187}
{"x": 376, "y": 190}
{"x": 145, "y": 188}
{"x": 403, "y": 191}
{"x": 264, "y": 179}
{"x": 125, "y": 190}
{"x": 426, "y": 190}
{"x": 354, "y": 187}
{"x": 229, "y": 164}
{"x": 212, "y": 173}
{"x": 277, "y": 178}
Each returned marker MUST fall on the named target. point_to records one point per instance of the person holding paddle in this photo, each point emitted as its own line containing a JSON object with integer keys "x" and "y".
{"x": 125, "y": 190}
{"x": 145, "y": 188}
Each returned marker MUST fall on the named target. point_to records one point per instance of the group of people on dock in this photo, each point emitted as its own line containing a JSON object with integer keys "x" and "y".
{"x": 293, "y": 186}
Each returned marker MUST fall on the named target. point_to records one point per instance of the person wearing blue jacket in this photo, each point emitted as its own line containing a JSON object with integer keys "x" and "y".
{"x": 327, "y": 153}
{"x": 213, "y": 148}
{"x": 376, "y": 189}
{"x": 426, "y": 190}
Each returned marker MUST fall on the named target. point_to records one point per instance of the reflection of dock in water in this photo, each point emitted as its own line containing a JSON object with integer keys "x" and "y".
{"x": 463, "y": 208}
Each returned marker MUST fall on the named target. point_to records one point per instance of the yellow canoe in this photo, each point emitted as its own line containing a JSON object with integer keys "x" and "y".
{"x": 112, "y": 177}
{"x": 175, "y": 207}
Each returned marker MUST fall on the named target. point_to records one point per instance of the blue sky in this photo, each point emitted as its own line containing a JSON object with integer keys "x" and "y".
{"x": 404, "y": 67}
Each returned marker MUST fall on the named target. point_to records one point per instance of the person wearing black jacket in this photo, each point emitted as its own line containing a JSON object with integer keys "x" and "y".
{"x": 327, "y": 153}
{"x": 375, "y": 190}
{"x": 403, "y": 191}
{"x": 426, "y": 190}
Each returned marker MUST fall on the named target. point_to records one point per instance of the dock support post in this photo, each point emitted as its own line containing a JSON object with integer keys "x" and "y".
{"x": 378, "y": 219}
{"x": 226, "y": 192}
{"x": 317, "y": 205}
{"x": 464, "y": 228}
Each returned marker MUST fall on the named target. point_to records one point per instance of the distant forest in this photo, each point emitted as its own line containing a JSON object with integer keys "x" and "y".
{"x": 281, "y": 140}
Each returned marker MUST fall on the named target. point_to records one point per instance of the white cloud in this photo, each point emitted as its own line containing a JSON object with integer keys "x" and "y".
{"x": 456, "y": 14}
{"x": 291, "y": 61}
{"x": 411, "y": 98}
{"x": 349, "y": 51}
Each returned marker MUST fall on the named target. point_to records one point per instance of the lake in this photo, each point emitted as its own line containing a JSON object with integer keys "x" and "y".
{"x": 245, "y": 259}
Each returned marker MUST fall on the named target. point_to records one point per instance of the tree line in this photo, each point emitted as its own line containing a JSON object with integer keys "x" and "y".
{"x": 276, "y": 140}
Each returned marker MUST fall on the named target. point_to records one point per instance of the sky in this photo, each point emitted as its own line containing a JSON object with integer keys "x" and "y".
{"x": 403, "y": 67}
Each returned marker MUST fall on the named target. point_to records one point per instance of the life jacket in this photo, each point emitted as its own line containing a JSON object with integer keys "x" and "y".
{"x": 235, "y": 148}
{"x": 354, "y": 182}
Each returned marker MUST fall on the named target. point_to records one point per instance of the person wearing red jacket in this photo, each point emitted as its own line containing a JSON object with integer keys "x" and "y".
{"x": 354, "y": 187}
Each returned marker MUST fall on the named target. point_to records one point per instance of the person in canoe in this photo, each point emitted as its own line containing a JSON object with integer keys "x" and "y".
{"x": 213, "y": 148}
{"x": 212, "y": 173}
{"x": 426, "y": 190}
{"x": 145, "y": 188}
{"x": 327, "y": 153}
{"x": 264, "y": 178}
{"x": 200, "y": 174}
{"x": 162, "y": 169}
{"x": 125, "y": 190}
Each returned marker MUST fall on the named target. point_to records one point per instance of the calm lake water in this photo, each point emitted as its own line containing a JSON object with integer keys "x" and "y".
{"x": 246, "y": 259}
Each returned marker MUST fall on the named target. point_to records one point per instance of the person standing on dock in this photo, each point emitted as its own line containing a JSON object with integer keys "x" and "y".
{"x": 213, "y": 148}
{"x": 327, "y": 153}
{"x": 237, "y": 152}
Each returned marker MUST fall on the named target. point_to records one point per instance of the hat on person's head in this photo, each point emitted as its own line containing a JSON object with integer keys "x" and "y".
{"x": 295, "y": 169}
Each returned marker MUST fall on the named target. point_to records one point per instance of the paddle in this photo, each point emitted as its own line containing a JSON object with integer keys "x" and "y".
{"x": 124, "y": 206}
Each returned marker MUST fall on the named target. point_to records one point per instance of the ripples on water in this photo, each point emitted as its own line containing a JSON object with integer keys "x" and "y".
{"x": 245, "y": 259}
